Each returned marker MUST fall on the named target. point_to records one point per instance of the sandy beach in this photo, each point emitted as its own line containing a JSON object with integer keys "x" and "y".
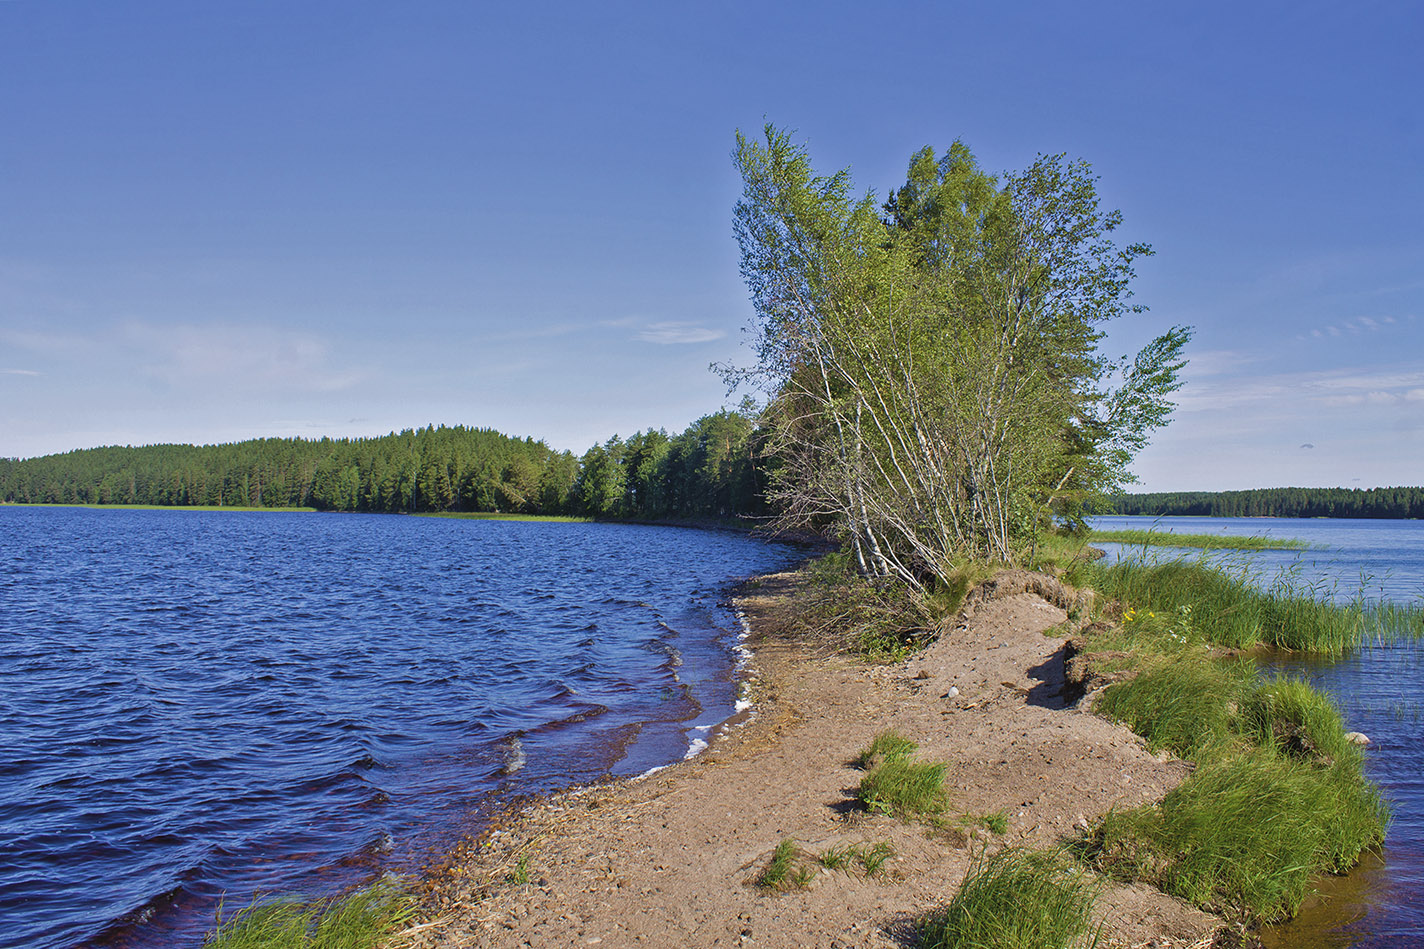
{"x": 671, "y": 859}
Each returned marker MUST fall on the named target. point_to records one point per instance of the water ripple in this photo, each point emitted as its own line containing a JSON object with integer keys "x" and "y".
{"x": 200, "y": 703}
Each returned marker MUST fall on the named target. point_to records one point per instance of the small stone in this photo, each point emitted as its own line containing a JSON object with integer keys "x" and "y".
{"x": 1357, "y": 738}
{"x": 953, "y": 691}
{"x": 924, "y": 674}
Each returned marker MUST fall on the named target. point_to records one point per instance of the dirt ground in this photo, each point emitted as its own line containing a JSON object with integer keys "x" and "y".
{"x": 669, "y": 859}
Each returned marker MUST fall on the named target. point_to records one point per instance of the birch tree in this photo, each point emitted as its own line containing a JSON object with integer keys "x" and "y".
{"x": 933, "y": 377}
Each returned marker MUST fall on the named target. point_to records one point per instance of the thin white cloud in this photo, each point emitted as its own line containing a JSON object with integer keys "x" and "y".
{"x": 229, "y": 356}
{"x": 19, "y": 372}
{"x": 1218, "y": 362}
{"x": 673, "y": 334}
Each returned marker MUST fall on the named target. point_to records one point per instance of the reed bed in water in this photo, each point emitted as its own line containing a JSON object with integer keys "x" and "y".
{"x": 1231, "y": 609}
{"x": 1155, "y": 538}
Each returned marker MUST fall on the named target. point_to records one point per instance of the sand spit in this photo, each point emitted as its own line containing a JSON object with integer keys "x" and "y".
{"x": 668, "y": 861}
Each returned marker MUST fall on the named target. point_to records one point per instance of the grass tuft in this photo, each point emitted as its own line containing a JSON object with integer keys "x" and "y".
{"x": 1229, "y": 609}
{"x": 1244, "y": 835}
{"x": 1296, "y": 720}
{"x": 887, "y": 744}
{"x": 904, "y": 788}
{"x": 997, "y": 822}
{"x": 786, "y": 870}
{"x": 1185, "y": 705}
{"x": 1016, "y": 899}
{"x": 871, "y": 860}
{"x": 360, "y": 920}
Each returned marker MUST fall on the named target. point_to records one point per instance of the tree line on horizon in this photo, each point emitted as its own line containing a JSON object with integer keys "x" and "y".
{"x": 707, "y": 471}
{"x": 1396, "y": 502}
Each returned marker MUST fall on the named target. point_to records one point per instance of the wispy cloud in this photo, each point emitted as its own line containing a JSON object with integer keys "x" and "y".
{"x": 1291, "y": 394}
{"x": 239, "y": 357}
{"x": 673, "y": 333}
{"x": 19, "y": 372}
{"x": 1355, "y": 326}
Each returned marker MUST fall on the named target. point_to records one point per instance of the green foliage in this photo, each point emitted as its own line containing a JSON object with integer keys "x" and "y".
{"x": 519, "y": 873}
{"x": 935, "y": 385}
{"x": 902, "y": 787}
{"x": 1398, "y": 502}
{"x": 360, "y": 920}
{"x": 1185, "y": 705}
{"x": 870, "y": 859}
{"x": 1245, "y": 834}
{"x": 706, "y": 472}
{"x": 1016, "y": 899}
{"x": 997, "y": 822}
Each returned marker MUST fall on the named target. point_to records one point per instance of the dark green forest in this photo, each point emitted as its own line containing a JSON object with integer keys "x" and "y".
{"x": 1278, "y": 502}
{"x": 707, "y": 471}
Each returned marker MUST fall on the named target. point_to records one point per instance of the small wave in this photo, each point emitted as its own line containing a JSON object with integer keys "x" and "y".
{"x": 514, "y": 757}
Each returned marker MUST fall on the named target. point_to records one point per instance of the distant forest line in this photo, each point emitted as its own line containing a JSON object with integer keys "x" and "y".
{"x": 1399, "y": 502}
{"x": 713, "y": 469}
{"x": 707, "y": 471}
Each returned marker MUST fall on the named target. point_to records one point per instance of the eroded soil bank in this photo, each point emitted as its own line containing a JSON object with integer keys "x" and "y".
{"x": 669, "y": 860}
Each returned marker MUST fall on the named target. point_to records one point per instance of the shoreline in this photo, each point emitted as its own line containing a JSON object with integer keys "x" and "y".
{"x": 667, "y": 858}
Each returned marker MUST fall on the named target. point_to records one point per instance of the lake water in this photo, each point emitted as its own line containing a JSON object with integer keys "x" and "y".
{"x": 200, "y": 703}
{"x": 1380, "y": 691}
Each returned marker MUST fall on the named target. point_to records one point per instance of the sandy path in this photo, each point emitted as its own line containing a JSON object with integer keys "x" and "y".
{"x": 668, "y": 860}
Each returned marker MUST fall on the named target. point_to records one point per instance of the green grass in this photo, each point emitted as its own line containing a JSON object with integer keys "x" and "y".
{"x": 1298, "y": 721}
{"x": 786, "y": 870}
{"x": 1016, "y": 899}
{"x": 870, "y": 859}
{"x": 997, "y": 822}
{"x": 887, "y": 744}
{"x": 1185, "y": 705}
{"x": 904, "y": 788}
{"x": 519, "y": 873}
{"x": 1278, "y": 795}
{"x": 1243, "y": 836}
{"x": 360, "y": 920}
{"x": 1141, "y": 538}
{"x": 1229, "y": 610}
{"x": 489, "y": 516}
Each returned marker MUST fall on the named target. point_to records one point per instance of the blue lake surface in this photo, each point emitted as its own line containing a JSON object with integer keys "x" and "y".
{"x": 195, "y": 704}
{"x": 1380, "y": 692}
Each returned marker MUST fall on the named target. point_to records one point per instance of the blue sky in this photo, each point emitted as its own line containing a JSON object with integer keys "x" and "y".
{"x": 224, "y": 220}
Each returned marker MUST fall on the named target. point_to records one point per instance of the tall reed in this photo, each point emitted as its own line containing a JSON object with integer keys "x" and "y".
{"x": 1233, "y": 610}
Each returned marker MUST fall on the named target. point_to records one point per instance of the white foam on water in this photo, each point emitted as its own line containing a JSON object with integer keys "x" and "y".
{"x": 514, "y": 757}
